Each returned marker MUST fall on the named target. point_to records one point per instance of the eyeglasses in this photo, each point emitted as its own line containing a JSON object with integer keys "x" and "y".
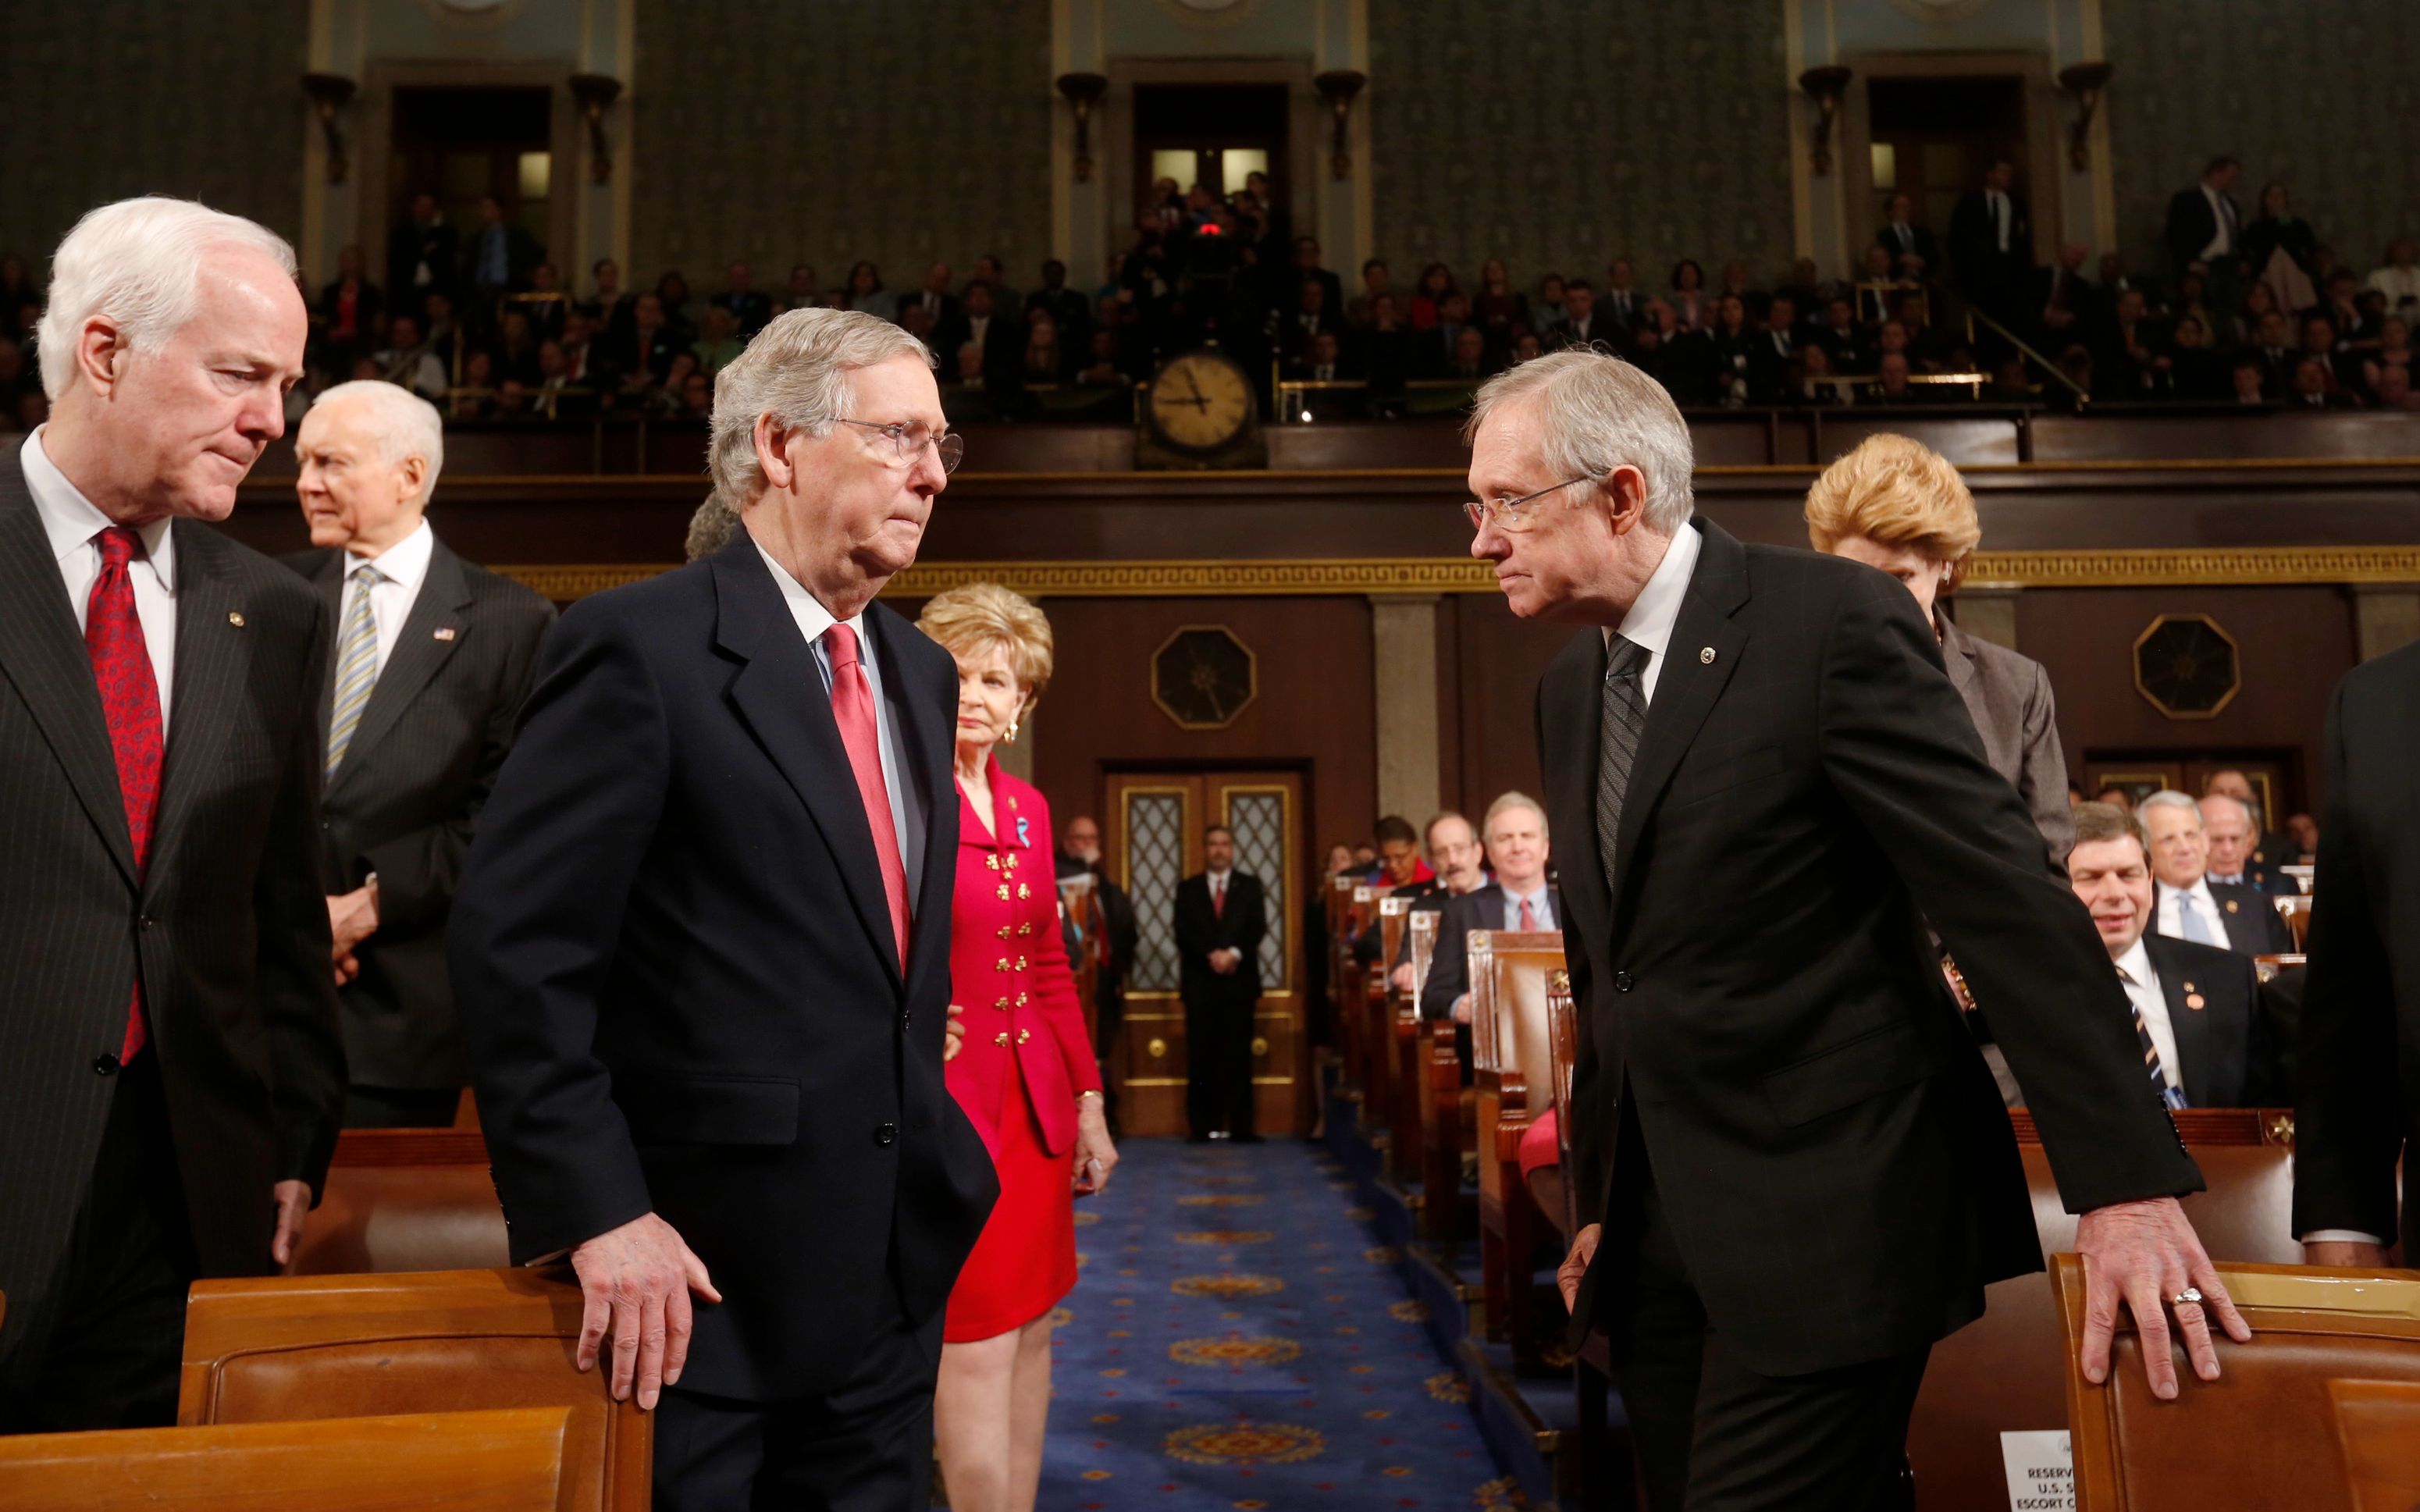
{"x": 909, "y": 440}
{"x": 1511, "y": 515}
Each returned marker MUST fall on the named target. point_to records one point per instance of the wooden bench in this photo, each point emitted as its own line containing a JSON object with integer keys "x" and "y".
{"x": 404, "y": 1200}
{"x": 301, "y": 1349}
{"x": 488, "y": 1462}
{"x": 1445, "y": 1105}
{"x": 1376, "y": 1008}
{"x": 1513, "y": 1059}
{"x": 2378, "y": 1428}
{"x": 2260, "y": 1438}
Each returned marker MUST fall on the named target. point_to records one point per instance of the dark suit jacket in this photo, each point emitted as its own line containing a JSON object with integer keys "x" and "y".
{"x": 1975, "y": 242}
{"x": 226, "y": 922}
{"x": 2358, "y": 1103}
{"x": 2229, "y": 1056}
{"x": 1450, "y": 967}
{"x": 2254, "y": 926}
{"x": 1199, "y": 931}
{"x": 1926, "y": 245}
{"x": 403, "y": 805}
{"x": 678, "y": 985}
{"x": 2192, "y": 224}
{"x": 409, "y": 245}
{"x": 1808, "y": 794}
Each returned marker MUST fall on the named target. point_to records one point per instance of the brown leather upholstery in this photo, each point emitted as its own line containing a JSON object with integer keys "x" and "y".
{"x": 500, "y": 1462}
{"x": 2378, "y": 1428}
{"x": 2008, "y": 1371}
{"x": 2258, "y": 1441}
{"x": 404, "y": 1200}
{"x": 305, "y": 1348}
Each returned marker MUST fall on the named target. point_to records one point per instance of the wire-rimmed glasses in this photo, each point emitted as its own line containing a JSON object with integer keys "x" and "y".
{"x": 1511, "y": 515}
{"x": 909, "y": 440}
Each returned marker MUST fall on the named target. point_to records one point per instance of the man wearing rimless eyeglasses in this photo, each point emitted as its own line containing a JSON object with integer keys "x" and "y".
{"x": 702, "y": 953}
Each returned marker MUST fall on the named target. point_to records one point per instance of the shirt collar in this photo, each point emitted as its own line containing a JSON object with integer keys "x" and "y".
{"x": 2137, "y": 963}
{"x": 406, "y": 562}
{"x": 813, "y": 619}
{"x": 1536, "y": 895}
{"x": 1219, "y": 879}
{"x": 1657, "y": 609}
{"x": 71, "y": 520}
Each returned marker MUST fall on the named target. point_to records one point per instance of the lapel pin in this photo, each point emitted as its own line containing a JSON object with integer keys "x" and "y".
{"x": 445, "y": 632}
{"x": 1706, "y": 658}
{"x": 2230, "y": 906}
{"x": 2189, "y": 986}
{"x": 235, "y": 617}
{"x": 2194, "y": 1000}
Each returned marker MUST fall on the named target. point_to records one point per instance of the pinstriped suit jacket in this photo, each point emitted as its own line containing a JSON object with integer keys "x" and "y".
{"x": 431, "y": 740}
{"x": 226, "y": 922}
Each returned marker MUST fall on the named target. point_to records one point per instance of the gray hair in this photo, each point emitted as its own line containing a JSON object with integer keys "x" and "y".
{"x": 797, "y": 370}
{"x": 138, "y": 262}
{"x": 406, "y": 424}
{"x": 2251, "y": 819}
{"x": 711, "y": 527}
{"x": 1600, "y": 414}
{"x": 2168, "y": 798}
{"x": 1514, "y": 799}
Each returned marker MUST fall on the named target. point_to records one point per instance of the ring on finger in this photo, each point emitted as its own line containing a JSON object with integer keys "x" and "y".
{"x": 2189, "y": 1296}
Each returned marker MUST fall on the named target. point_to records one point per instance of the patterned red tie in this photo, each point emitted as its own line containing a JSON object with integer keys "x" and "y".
{"x": 1528, "y": 916}
{"x": 1218, "y": 900}
{"x": 129, "y": 701}
{"x": 853, "y": 711}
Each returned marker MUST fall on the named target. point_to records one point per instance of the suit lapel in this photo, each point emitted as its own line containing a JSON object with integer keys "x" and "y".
{"x": 780, "y": 696}
{"x": 213, "y": 654}
{"x": 44, "y": 657}
{"x": 329, "y": 579}
{"x": 928, "y": 764}
{"x": 1686, "y": 688}
{"x": 2187, "y": 1025}
{"x": 431, "y": 633}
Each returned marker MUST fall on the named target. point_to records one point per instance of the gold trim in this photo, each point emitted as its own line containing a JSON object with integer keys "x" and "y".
{"x": 1279, "y": 578}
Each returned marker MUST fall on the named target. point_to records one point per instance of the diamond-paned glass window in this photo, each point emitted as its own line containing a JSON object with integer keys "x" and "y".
{"x": 1155, "y": 865}
{"x": 1259, "y": 821}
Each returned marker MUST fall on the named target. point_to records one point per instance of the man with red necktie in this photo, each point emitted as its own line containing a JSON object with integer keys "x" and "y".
{"x": 171, "y": 1079}
{"x": 701, "y": 954}
{"x": 1219, "y": 916}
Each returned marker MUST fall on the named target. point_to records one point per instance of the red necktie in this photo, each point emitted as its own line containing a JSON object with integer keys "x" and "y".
{"x": 129, "y": 701}
{"x": 1528, "y": 915}
{"x": 1218, "y": 900}
{"x": 853, "y": 711}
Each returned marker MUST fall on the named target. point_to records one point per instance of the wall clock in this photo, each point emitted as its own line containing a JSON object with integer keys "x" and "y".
{"x": 1202, "y": 677}
{"x": 1201, "y": 411}
{"x": 2185, "y": 667}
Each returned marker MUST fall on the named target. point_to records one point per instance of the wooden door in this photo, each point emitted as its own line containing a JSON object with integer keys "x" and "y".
{"x": 1154, "y": 823}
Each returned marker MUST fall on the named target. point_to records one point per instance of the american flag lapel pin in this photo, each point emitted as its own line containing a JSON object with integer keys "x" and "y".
{"x": 445, "y": 632}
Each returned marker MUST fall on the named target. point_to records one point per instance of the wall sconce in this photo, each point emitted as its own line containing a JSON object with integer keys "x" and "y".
{"x": 1824, "y": 86}
{"x": 1338, "y": 86}
{"x": 1083, "y": 91}
{"x": 2084, "y": 80}
{"x": 596, "y": 94}
{"x": 329, "y": 93}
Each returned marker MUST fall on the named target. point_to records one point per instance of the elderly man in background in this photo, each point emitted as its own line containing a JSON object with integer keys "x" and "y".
{"x": 1461, "y": 866}
{"x": 1763, "y": 769}
{"x": 2269, "y": 848}
{"x": 702, "y": 953}
{"x": 2190, "y": 906}
{"x": 1520, "y": 898}
{"x": 2234, "y": 835}
{"x": 432, "y": 657}
{"x": 171, "y": 1078}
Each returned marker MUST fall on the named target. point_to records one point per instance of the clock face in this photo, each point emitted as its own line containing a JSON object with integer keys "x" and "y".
{"x": 2186, "y": 666}
{"x": 1202, "y": 677}
{"x": 1201, "y": 401}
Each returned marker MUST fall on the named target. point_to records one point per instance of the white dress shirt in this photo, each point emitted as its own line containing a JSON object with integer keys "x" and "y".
{"x": 2001, "y": 216}
{"x": 402, "y": 568}
{"x": 1218, "y": 882}
{"x": 813, "y": 620}
{"x": 2142, "y": 985}
{"x": 2223, "y": 243}
{"x": 1649, "y": 623}
{"x": 1540, "y": 909}
{"x": 2196, "y": 898}
{"x": 71, "y": 521}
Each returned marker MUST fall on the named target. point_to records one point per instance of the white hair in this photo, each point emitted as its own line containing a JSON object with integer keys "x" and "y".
{"x": 1515, "y": 799}
{"x": 797, "y": 370}
{"x": 406, "y": 424}
{"x": 139, "y": 262}
{"x": 2170, "y": 798}
{"x": 1599, "y": 413}
{"x": 2250, "y": 819}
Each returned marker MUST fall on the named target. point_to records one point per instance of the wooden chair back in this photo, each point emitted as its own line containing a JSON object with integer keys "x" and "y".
{"x": 2295, "y": 908}
{"x": 1563, "y": 1038}
{"x": 2005, "y": 1371}
{"x": 2378, "y": 1428}
{"x": 296, "y": 1348}
{"x": 1339, "y": 902}
{"x": 404, "y": 1200}
{"x": 1423, "y": 928}
{"x": 1393, "y": 915}
{"x": 494, "y": 1461}
{"x": 2253, "y": 1442}
{"x": 1509, "y": 1037}
{"x": 2270, "y": 966}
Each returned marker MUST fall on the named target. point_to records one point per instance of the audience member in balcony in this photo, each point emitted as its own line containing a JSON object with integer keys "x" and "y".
{"x": 672, "y": 293}
{"x": 2394, "y": 391}
{"x": 1323, "y": 362}
{"x": 2064, "y": 301}
{"x": 1805, "y": 288}
{"x": 2127, "y": 360}
{"x": 1582, "y": 325}
{"x": 2273, "y": 347}
{"x": 1841, "y": 335}
{"x": 865, "y": 292}
{"x": 1736, "y": 285}
{"x": 1891, "y": 385}
{"x": 1444, "y": 339}
{"x": 800, "y": 291}
{"x": 1498, "y": 307}
{"x": 1692, "y": 306}
{"x": 1005, "y": 297}
{"x": 746, "y": 305}
{"x": 1068, "y": 306}
{"x": 1680, "y": 357}
{"x": 17, "y": 290}
{"x": 1101, "y": 370}
{"x": 2204, "y": 1023}
{"x": 1731, "y": 336}
{"x": 1772, "y": 352}
{"x": 2205, "y": 230}
{"x": 1622, "y": 303}
{"x": 2114, "y": 278}
{"x": 1309, "y": 315}
{"x": 349, "y": 306}
{"x": 473, "y": 398}
{"x": 511, "y": 402}
{"x": 497, "y": 259}
{"x": 662, "y": 398}
{"x": 2191, "y": 906}
{"x": 558, "y": 395}
{"x": 1899, "y": 506}
{"x": 1428, "y": 301}
{"x": 2392, "y": 347}
{"x": 939, "y": 305}
{"x": 2234, "y": 835}
{"x": 2272, "y": 849}
{"x": 516, "y": 347}
{"x": 1305, "y": 266}
{"x": 2315, "y": 387}
{"x": 1386, "y": 352}
{"x": 697, "y": 397}
{"x": 546, "y": 304}
{"x": 584, "y": 362}
{"x": 1991, "y": 243}
{"x": 2399, "y": 277}
{"x": 1525, "y": 346}
{"x": 1903, "y": 237}
{"x": 421, "y": 255}
{"x": 917, "y": 323}
{"x": 999, "y": 338}
{"x": 1547, "y": 314}
{"x": 647, "y": 357}
{"x": 1375, "y": 280}
{"x": 1468, "y": 363}
{"x": 408, "y": 360}
{"x": 2012, "y": 382}
{"x": 607, "y": 302}
{"x": 2278, "y": 229}
{"x": 1804, "y": 382}
{"x": 1045, "y": 361}
{"x": 2197, "y": 374}
{"x": 721, "y": 343}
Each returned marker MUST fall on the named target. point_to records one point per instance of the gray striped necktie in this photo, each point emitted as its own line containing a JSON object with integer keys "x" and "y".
{"x": 356, "y": 665}
{"x": 1624, "y": 714}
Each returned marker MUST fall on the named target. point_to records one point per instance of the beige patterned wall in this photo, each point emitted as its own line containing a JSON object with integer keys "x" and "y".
{"x": 842, "y": 129}
{"x": 2323, "y": 94}
{"x": 104, "y": 98}
{"x": 1558, "y": 134}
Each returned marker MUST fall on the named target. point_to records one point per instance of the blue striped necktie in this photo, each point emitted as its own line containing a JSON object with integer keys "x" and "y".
{"x": 356, "y": 665}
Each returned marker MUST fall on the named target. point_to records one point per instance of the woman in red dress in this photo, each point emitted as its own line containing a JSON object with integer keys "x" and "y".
{"x": 1020, "y": 1064}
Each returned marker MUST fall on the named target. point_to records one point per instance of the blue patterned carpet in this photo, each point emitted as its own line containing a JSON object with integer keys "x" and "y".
{"x": 1239, "y": 1338}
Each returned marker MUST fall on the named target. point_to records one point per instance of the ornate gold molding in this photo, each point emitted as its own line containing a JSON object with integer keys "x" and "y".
{"x": 2214, "y": 568}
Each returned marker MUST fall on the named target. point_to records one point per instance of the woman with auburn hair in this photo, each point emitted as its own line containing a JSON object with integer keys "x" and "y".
{"x": 1896, "y": 504}
{"x": 1020, "y": 1064}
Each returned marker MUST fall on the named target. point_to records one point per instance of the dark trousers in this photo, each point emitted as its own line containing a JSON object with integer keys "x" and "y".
{"x": 400, "y": 1107}
{"x": 867, "y": 1447}
{"x": 102, "y": 1348}
{"x": 1712, "y": 1435}
{"x": 1218, "y": 1062}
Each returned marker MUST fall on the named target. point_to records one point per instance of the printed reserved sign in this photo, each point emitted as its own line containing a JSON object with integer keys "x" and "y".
{"x": 2042, "y": 1470}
